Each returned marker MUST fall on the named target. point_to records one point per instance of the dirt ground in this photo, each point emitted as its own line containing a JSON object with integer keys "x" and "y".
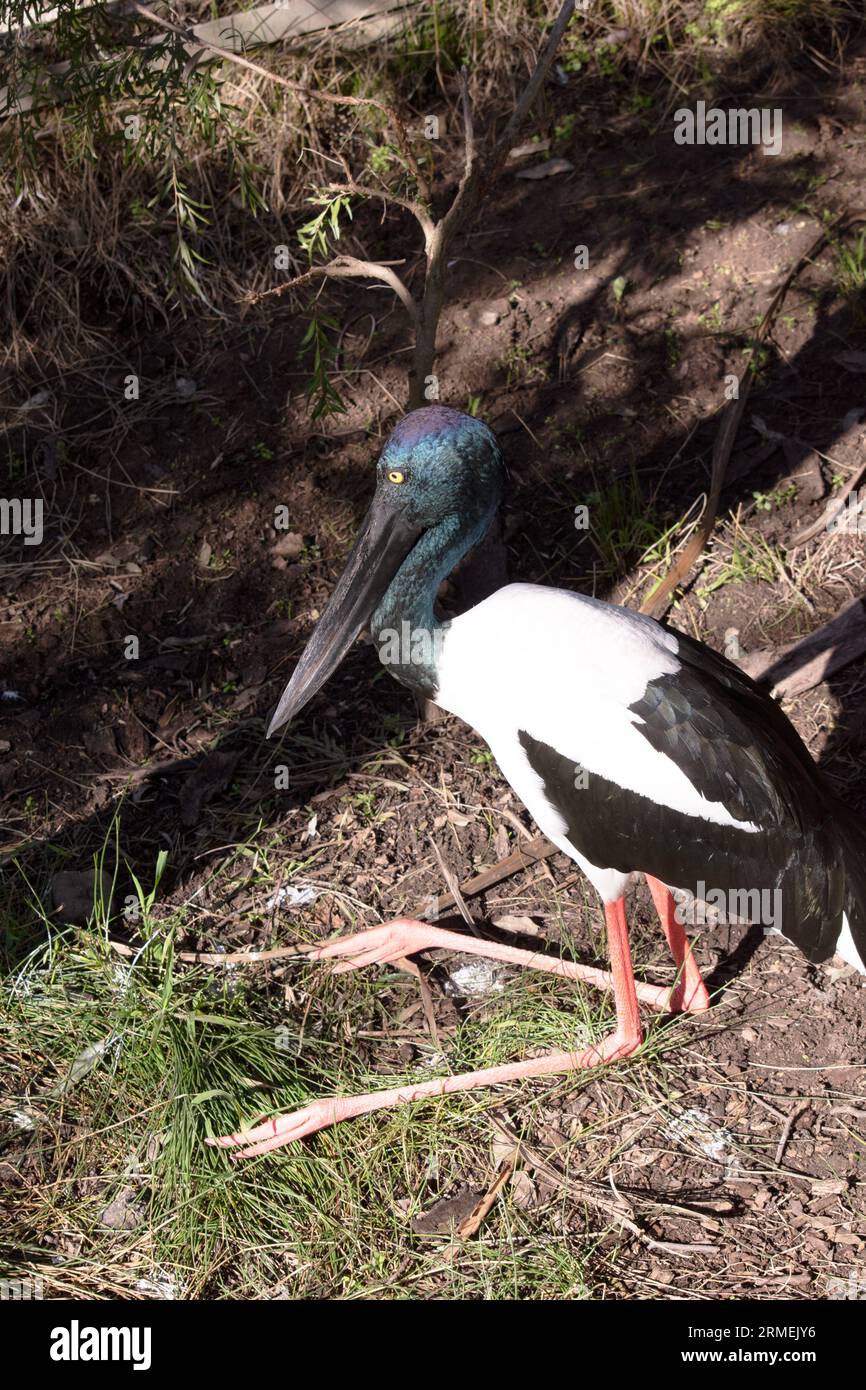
{"x": 740, "y": 1163}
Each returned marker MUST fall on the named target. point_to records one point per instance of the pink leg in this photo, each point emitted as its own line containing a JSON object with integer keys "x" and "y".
{"x": 689, "y": 994}
{"x": 624, "y": 1040}
{"x": 404, "y": 936}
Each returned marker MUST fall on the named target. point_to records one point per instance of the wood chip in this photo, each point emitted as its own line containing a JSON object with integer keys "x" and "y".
{"x": 521, "y": 926}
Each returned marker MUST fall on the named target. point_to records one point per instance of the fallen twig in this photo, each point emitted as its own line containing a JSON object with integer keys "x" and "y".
{"x": 472, "y": 1224}
{"x": 800, "y": 1108}
{"x": 586, "y": 1192}
{"x": 404, "y": 963}
{"x": 536, "y": 850}
{"x": 453, "y": 888}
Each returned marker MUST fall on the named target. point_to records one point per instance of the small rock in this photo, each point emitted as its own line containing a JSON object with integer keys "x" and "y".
{"x": 478, "y": 977}
{"x": 290, "y": 546}
{"x": 185, "y": 387}
{"x": 121, "y": 1214}
{"x": 492, "y": 313}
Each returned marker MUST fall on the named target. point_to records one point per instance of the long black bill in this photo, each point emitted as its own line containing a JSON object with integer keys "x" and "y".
{"x": 383, "y": 543}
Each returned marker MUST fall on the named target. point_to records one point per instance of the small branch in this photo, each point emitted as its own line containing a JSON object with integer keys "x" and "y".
{"x": 468, "y": 126}
{"x": 475, "y": 1220}
{"x": 533, "y": 852}
{"x": 799, "y": 666}
{"x": 475, "y": 178}
{"x": 799, "y": 1109}
{"x": 350, "y": 268}
{"x": 422, "y": 217}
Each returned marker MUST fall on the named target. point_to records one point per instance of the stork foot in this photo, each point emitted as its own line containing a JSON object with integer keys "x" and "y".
{"x": 405, "y": 936}
{"x": 320, "y": 1114}
{"x": 625, "y": 1039}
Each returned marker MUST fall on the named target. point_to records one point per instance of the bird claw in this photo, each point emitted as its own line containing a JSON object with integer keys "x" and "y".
{"x": 283, "y": 1129}
{"x": 378, "y": 946}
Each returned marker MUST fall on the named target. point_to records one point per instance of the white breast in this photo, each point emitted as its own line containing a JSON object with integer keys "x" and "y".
{"x": 566, "y": 668}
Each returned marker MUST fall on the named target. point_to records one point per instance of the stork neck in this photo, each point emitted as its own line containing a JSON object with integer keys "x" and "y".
{"x": 405, "y": 628}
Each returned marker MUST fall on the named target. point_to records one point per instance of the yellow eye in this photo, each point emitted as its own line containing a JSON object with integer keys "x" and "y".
{"x": 395, "y": 476}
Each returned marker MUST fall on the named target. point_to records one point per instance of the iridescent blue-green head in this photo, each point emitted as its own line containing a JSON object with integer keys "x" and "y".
{"x": 440, "y": 463}
{"x": 439, "y": 481}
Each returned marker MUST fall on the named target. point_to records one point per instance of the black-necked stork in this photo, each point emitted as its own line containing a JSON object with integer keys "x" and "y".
{"x": 634, "y": 747}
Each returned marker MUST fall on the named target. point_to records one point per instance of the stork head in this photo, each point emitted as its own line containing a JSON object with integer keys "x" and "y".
{"x": 438, "y": 465}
